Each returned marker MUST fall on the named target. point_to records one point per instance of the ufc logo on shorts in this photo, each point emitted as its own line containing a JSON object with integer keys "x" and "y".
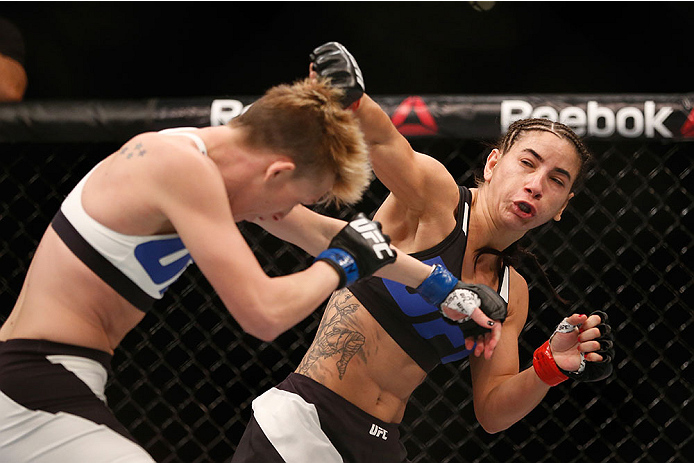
{"x": 370, "y": 231}
{"x": 378, "y": 431}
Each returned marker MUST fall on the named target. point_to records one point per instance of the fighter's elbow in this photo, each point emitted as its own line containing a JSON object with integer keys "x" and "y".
{"x": 490, "y": 427}
{"x": 490, "y": 423}
{"x": 261, "y": 327}
{"x": 263, "y": 334}
{"x": 253, "y": 318}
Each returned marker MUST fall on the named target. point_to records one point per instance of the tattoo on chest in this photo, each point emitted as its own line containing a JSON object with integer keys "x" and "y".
{"x": 129, "y": 150}
{"x": 336, "y": 337}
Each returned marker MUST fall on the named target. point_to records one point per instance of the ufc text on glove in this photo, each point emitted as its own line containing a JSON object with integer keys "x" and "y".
{"x": 358, "y": 250}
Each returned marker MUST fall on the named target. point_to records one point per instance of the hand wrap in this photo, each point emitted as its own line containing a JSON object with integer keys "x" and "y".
{"x": 333, "y": 61}
{"x": 441, "y": 288}
{"x": 545, "y": 366}
{"x": 358, "y": 250}
{"x": 548, "y": 370}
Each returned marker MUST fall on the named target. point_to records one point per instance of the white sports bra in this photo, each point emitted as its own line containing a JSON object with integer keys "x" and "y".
{"x": 139, "y": 268}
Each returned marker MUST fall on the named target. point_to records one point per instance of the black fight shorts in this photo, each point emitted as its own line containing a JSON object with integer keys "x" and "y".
{"x": 302, "y": 421}
{"x": 53, "y": 408}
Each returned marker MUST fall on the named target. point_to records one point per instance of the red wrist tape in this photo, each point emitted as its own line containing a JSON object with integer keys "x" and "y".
{"x": 545, "y": 366}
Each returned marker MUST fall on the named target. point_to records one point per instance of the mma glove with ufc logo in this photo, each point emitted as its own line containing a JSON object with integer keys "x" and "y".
{"x": 358, "y": 250}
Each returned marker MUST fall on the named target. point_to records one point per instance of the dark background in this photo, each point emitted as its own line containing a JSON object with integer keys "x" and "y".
{"x": 184, "y": 379}
{"x": 124, "y": 50}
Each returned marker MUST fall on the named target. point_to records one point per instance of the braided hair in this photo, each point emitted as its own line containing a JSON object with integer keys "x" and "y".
{"x": 520, "y": 127}
{"x": 515, "y": 254}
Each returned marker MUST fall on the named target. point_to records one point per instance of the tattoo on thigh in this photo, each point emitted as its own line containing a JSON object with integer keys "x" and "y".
{"x": 335, "y": 336}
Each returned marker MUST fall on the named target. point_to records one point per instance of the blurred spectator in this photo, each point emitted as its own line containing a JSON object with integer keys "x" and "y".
{"x": 13, "y": 77}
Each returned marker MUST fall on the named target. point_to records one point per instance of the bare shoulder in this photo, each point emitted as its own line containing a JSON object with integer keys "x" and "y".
{"x": 170, "y": 172}
{"x": 438, "y": 178}
{"x": 518, "y": 281}
{"x": 431, "y": 164}
{"x": 155, "y": 146}
{"x": 171, "y": 162}
{"x": 429, "y": 191}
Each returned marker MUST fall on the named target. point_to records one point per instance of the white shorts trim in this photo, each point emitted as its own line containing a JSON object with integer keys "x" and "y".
{"x": 34, "y": 436}
{"x": 292, "y": 426}
{"x": 91, "y": 372}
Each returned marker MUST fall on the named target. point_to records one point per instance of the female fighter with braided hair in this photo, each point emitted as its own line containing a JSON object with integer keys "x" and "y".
{"x": 377, "y": 340}
{"x": 134, "y": 223}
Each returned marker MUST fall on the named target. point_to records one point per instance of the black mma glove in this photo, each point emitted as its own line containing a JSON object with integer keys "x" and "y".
{"x": 441, "y": 288}
{"x": 358, "y": 250}
{"x": 548, "y": 370}
{"x": 333, "y": 61}
{"x": 493, "y": 306}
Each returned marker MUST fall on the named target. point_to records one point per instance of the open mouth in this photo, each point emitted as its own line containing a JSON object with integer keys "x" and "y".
{"x": 525, "y": 209}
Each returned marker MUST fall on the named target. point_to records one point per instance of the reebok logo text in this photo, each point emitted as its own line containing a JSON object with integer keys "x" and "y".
{"x": 595, "y": 120}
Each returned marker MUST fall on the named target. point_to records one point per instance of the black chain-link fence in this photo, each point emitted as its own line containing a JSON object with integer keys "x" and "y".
{"x": 184, "y": 379}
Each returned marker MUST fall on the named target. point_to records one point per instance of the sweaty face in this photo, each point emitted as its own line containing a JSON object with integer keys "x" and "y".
{"x": 531, "y": 182}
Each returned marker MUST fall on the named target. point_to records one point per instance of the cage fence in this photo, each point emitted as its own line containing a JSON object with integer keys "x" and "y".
{"x": 184, "y": 379}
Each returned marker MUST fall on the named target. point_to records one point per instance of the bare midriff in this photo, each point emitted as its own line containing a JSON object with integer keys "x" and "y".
{"x": 62, "y": 300}
{"x": 354, "y": 357}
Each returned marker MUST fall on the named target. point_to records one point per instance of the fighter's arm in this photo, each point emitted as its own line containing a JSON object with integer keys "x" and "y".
{"x": 194, "y": 200}
{"x": 313, "y": 232}
{"x": 503, "y": 395}
{"x": 417, "y": 181}
{"x": 305, "y": 228}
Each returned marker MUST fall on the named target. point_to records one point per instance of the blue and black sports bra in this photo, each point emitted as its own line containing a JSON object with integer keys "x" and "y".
{"x": 416, "y": 326}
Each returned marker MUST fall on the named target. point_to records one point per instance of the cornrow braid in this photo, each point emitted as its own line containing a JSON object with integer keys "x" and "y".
{"x": 515, "y": 253}
{"x": 519, "y": 127}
